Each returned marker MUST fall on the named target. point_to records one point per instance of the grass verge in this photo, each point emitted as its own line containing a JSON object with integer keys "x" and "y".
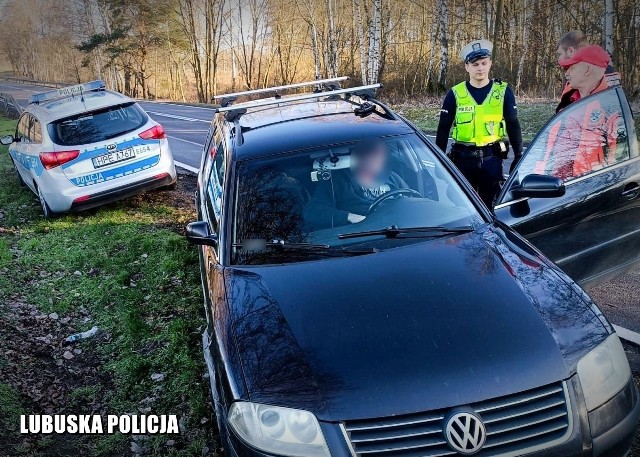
{"x": 127, "y": 269}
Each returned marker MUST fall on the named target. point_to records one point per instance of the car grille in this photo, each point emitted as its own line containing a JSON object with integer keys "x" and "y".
{"x": 527, "y": 421}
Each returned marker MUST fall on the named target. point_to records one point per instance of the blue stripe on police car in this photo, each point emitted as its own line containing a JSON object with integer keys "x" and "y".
{"x": 102, "y": 176}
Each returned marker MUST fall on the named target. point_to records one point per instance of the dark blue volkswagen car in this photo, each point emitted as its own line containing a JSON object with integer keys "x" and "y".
{"x": 362, "y": 301}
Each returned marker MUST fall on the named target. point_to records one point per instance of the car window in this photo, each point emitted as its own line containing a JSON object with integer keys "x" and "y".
{"x": 314, "y": 196}
{"x": 215, "y": 182}
{"x": 22, "y": 130}
{"x": 98, "y": 125}
{"x": 35, "y": 131}
{"x": 588, "y": 136}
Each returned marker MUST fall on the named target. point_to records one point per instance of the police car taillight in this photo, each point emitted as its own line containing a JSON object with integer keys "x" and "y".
{"x": 154, "y": 133}
{"x": 55, "y": 159}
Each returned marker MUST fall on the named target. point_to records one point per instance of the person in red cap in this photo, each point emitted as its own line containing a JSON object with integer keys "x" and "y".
{"x": 585, "y": 72}
{"x": 583, "y": 140}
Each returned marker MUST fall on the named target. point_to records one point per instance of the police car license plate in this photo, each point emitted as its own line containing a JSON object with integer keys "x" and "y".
{"x": 113, "y": 157}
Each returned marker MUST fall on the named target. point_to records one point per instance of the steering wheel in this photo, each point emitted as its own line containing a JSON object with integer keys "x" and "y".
{"x": 393, "y": 193}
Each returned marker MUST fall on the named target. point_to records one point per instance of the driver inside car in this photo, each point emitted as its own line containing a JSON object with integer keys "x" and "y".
{"x": 347, "y": 195}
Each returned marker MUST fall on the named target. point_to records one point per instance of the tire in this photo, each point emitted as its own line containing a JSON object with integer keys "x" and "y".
{"x": 46, "y": 211}
{"x": 172, "y": 186}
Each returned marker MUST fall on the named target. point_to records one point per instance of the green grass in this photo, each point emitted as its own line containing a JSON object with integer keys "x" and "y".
{"x": 137, "y": 278}
{"x": 533, "y": 116}
{"x": 10, "y": 408}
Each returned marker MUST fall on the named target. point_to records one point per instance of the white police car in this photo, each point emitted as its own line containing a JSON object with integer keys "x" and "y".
{"x": 82, "y": 146}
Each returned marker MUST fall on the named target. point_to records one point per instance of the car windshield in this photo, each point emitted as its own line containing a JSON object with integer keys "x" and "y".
{"x": 97, "y": 126}
{"x": 350, "y": 199}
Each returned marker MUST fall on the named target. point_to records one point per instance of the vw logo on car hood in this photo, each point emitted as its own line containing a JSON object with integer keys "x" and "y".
{"x": 465, "y": 432}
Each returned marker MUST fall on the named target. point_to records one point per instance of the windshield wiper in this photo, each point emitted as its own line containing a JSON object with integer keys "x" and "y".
{"x": 261, "y": 245}
{"x": 393, "y": 231}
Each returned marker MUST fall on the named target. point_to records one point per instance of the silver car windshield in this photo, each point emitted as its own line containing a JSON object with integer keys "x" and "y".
{"x": 326, "y": 201}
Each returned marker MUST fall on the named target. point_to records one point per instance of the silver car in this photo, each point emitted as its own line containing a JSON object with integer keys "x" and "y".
{"x": 82, "y": 146}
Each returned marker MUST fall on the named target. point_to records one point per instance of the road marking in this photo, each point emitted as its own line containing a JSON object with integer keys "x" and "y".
{"x": 186, "y": 141}
{"x": 176, "y": 104}
{"x": 182, "y": 118}
{"x": 627, "y": 334}
{"x": 186, "y": 167}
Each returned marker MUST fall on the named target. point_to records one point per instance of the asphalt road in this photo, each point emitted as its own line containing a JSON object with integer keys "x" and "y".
{"x": 187, "y": 126}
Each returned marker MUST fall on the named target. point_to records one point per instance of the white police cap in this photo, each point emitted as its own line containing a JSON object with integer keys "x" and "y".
{"x": 475, "y": 50}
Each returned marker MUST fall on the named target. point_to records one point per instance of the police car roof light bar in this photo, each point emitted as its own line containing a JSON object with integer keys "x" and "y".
{"x": 317, "y": 82}
{"x": 364, "y": 91}
{"x": 68, "y": 91}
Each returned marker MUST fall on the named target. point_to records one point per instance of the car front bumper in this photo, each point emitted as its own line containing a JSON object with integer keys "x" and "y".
{"x": 615, "y": 442}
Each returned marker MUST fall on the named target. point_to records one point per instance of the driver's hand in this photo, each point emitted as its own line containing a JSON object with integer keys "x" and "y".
{"x": 355, "y": 218}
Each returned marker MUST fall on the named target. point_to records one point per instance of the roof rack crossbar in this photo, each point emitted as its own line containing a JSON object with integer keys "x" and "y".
{"x": 294, "y": 98}
{"x": 278, "y": 88}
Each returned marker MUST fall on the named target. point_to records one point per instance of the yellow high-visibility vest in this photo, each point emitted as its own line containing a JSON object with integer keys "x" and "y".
{"x": 476, "y": 124}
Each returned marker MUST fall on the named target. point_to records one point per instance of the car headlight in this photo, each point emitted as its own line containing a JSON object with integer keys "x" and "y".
{"x": 277, "y": 430}
{"x": 603, "y": 372}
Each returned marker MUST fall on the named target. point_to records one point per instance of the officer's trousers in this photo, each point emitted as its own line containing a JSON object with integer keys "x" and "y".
{"x": 484, "y": 174}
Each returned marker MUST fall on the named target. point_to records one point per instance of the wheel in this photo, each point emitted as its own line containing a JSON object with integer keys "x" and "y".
{"x": 46, "y": 211}
{"x": 392, "y": 194}
{"x": 172, "y": 186}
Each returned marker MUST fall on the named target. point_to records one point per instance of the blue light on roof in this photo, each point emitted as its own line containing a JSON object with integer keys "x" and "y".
{"x": 68, "y": 91}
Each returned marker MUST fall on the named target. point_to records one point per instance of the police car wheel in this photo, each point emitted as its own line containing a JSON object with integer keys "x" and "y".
{"x": 46, "y": 211}
{"x": 172, "y": 186}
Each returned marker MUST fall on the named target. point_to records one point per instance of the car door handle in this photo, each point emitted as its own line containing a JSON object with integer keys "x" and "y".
{"x": 631, "y": 191}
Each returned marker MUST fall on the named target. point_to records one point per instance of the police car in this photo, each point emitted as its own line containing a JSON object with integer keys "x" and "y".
{"x": 82, "y": 146}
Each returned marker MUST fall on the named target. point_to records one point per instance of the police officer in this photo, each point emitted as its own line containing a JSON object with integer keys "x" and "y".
{"x": 482, "y": 112}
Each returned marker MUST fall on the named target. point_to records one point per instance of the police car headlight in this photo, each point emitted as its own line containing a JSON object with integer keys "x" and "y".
{"x": 603, "y": 372}
{"x": 277, "y": 430}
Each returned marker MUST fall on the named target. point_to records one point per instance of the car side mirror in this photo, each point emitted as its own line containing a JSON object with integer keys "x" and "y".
{"x": 539, "y": 186}
{"x": 198, "y": 233}
{"x": 7, "y": 140}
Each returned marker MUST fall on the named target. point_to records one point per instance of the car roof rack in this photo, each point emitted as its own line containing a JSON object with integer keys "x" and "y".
{"x": 233, "y": 112}
{"x": 228, "y": 99}
{"x": 68, "y": 91}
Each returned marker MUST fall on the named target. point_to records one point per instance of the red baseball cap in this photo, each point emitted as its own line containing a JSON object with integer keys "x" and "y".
{"x": 592, "y": 54}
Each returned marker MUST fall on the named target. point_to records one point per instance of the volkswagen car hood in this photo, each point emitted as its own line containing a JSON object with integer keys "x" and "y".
{"x": 431, "y": 325}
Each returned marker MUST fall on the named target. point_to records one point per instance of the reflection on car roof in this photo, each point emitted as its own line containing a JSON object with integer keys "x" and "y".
{"x": 69, "y": 106}
{"x": 304, "y": 125}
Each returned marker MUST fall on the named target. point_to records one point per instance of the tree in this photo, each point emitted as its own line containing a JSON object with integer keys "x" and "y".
{"x": 608, "y": 26}
{"x": 443, "y": 15}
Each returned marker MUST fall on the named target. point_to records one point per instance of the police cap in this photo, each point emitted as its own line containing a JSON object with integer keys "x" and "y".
{"x": 478, "y": 49}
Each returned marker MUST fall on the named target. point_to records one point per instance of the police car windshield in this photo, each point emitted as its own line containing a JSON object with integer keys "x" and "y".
{"x": 313, "y": 197}
{"x": 98, "y": 125}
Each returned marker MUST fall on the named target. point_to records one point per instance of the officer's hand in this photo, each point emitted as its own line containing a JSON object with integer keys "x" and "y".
{"x": 355, "y": 218}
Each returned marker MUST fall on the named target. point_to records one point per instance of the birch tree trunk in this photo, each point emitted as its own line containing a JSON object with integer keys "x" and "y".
{"x": 375, "y": 33}
{"x": 332, "y": 45}
{"x": 608, "y": 26}
{"x": 525, "y": 43}
{"x": 363, "y": 55}
{"x": 315, "y": 43}
{"x": 496, "y": 28}
{"x": 433, "y": 35}
{"x": 443, "y": 15}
